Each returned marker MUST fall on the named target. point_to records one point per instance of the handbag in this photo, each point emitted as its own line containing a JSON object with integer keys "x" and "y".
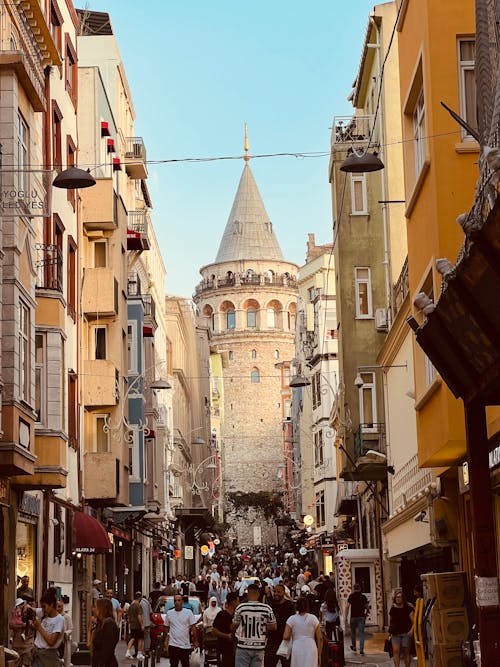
{"x": 388, "y": 647}
{"x": 284, "y": 649}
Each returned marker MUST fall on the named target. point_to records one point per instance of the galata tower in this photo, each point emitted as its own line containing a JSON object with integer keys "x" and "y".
{"x": 247, "y": 299}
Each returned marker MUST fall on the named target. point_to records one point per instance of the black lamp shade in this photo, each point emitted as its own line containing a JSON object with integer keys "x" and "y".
{"x": 299, "y": 381}
{"x": 360, "y": 164}
{"x": 73, "y": 178}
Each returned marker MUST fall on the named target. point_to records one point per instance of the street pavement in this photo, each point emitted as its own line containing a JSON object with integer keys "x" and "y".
{"x": 374, "y": 656}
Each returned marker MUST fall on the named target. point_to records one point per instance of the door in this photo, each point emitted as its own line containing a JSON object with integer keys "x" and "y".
{"x": 364, "y": 575}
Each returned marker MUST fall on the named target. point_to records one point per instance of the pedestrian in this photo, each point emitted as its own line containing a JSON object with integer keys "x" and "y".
{"x": 304, "y": 630}
{"x": 22, "y": 634}
{"x": 223, "y": 592}
{"x": 96, "y": 590}
{"x": 252, "y": 621}
{"x": 25, "y": 591}
{"x": 155, "y": 594}
{"x": 282, "y": 608}
{"x": 357, "y": 603}
{"x": 136, "y": 628}
{"x": 49, "y": 626}
{"x": 180, "y": 622}
{"x": 146, "y": 621}
{"x": 401, "y": 628}
{"x": 330, "y": 615}
{"x": 105, "y": 635}
{"x": 221, "y": 629}
{"x": 210, "y": 613}
{"x": 170, "y": 588}
{"x": 114, "y": 603}
{"x": 65, "y": 648}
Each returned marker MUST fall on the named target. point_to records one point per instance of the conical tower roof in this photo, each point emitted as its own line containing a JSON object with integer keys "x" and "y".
{"x": 249, "y": 232}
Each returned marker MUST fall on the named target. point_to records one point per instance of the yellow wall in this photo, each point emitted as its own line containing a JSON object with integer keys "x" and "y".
{"x": 428, "y": 34}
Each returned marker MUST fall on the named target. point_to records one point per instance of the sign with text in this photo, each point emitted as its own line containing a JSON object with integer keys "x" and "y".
{"x": 188, "y": 552}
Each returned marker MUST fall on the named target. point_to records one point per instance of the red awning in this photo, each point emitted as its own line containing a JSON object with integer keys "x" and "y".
{"x": 148, "y": 332}
{"x": 90, "y": 536}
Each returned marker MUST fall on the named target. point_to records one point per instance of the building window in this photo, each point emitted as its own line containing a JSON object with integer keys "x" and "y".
{"x": 251, "y": 318}
{"x": 287, "y": 408}
{"x": 254, "y": 354}
{"x": 72, "y": 278}
{"x": 368, "y": 402}
{"x": 276, "y": 354}
{"x": 419, "y": 132}
{"x": 467, "y": 84}
{"x": 70, "y": 162}
{"x": 100, "y": 342}
{"x": 271, "y": 318}
{"x": 101, "y": 434}
{"x": 133, "y": 454}
{"x": 56, "y": 136}
{"x": 72, "y": 409}
{"x": 318, "y": 448}
{"x": 40, "y": 378}
{"x": 430, "y": 371}
{"x": 230, "y": 319}
{"x": 56, "y": 21}
{"x": 132, "y": 347}
{"x": 316, "y": 390}
{"x": 359, "y": 205}
{"x": 22, "y": 142}
{"x": 363, "y": 292}
{"x": 71, "y": 73}
{"x": 231, "y": 355}
{"x": 24, "y": 351}
{"x": 320, "y": 509}
{"x": 331, "y": 332}
{"x": 100, "y": 254}
{"x": 255, "y": 375}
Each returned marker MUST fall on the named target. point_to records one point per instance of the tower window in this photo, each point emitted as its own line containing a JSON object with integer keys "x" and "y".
{"x": 254, "y": 354}
{"x": 255, "y": 376}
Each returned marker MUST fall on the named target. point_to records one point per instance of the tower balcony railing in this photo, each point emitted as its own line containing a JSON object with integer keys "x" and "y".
{"x": 255, "y": 280}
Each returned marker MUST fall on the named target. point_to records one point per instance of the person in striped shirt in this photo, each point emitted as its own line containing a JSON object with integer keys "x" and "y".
{"x": 251, "y": 622}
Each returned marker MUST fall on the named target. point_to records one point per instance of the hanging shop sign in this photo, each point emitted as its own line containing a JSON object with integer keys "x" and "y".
{"x": 188, "y": 552}
{"x": 29, "y": 508}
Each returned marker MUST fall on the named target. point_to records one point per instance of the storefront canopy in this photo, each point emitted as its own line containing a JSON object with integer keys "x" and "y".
{"x": 90, "y": 536}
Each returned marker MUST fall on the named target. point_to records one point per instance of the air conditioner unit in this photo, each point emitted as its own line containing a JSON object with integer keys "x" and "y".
{"x": 381, "y": 319}
{"x": 450, "y": 626}
{"x": 447, "y": 655}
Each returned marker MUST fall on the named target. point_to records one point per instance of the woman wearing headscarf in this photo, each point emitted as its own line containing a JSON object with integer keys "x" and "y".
{"x": 210, "y": 613}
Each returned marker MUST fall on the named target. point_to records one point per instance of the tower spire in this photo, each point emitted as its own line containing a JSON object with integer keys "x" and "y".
{"x": 246, "y": 157}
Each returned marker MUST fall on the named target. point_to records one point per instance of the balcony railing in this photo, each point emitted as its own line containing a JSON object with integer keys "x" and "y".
{"x": 137, "y": 230}
{"x": 255, "y": 279}
{"x": 408, "y": 481}
{"x": 351, "y": 129}
{"x": 135, "y": 158}
{"x": 133, "y": 285}
{"x": 149, "y": 310}
{"x": 49, "y": 267}
{"x": 401, "y": 288}
{"x": 369, "y": 436}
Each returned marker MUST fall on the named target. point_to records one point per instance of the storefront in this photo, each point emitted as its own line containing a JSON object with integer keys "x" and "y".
{"x": 26, "y": 537}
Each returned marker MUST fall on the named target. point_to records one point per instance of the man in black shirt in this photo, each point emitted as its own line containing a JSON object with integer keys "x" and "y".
{"x": 222, "y": 630}
{"x": 358, "y": 604}
{"x": 283, "y": 609}
{"x": 155, "y": 594}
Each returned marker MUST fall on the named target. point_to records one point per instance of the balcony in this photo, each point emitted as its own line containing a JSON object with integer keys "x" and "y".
{"x": 100, "y": 387}
{"x": 29, "y": 73}
{"x": 135, "y": 158}
{"x": 369, "y": 437}
{"x": 255, "y": 280}
{"x": 101, "y": 472}
{"x": 351, "y": 130}
{"x": 137, "y": 231}
{"x": 51, "y": 466}
{"x": 49, "y": 267}
{"x": 99, "y": 206}
{"x": 133, "y": 285}
{"x": 149, "y": 311}
{"x": 401, "y": 288}
{"x": 100, "y": 293}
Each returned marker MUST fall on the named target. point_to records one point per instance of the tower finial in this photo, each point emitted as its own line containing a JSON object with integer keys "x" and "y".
{"x": 246, "y": 157}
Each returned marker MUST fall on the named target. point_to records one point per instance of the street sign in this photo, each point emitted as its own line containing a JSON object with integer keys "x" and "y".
{"x": 188, "y": 552}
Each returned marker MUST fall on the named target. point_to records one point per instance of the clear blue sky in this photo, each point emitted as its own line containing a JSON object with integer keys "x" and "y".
{"x": 199, "y": 70}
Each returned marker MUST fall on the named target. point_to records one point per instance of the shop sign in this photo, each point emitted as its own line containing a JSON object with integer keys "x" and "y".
{"x": 486, "y": 591}
{"x": 29, "y": 508}
{"x": 494, "y": 457}
{"x": 188, "y": 552}
{"x": 4, "y": 491}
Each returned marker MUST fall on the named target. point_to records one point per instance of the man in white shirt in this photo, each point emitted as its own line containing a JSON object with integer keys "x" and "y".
{"x": 49, "y": 626}
{"x": 179, "y": 621}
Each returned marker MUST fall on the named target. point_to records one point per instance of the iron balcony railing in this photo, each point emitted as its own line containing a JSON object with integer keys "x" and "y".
{"x": 49, "y": 267}
{"x": 369, "y": 436}
{"x": 138, "y": 222}
{"x": 149, "y": 309}
{"x": 135, "y": 148}
{"x": 401, "y": 287}
{"x": 133, "y": 284}
{"x": 351, "y": 129}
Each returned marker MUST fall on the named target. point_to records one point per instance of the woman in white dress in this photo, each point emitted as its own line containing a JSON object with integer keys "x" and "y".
{"x": 304, "y": 630}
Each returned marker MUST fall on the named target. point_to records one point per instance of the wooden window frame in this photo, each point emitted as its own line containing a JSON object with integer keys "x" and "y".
{"x": 72, "y": 279}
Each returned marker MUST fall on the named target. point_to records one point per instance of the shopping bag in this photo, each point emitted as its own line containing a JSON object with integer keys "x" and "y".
{"x": 284, "y": 649}
{"x": 388, "y": 647}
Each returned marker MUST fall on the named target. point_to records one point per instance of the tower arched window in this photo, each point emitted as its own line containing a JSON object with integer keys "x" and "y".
{"x": 230, "y": 319}
{"x": 255, "y": 375}
{"x": 271, "y": 318}
{"x": 276, "y": 354}
{"x": 254, "y": 354}
{"x": 251, "y": 318}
